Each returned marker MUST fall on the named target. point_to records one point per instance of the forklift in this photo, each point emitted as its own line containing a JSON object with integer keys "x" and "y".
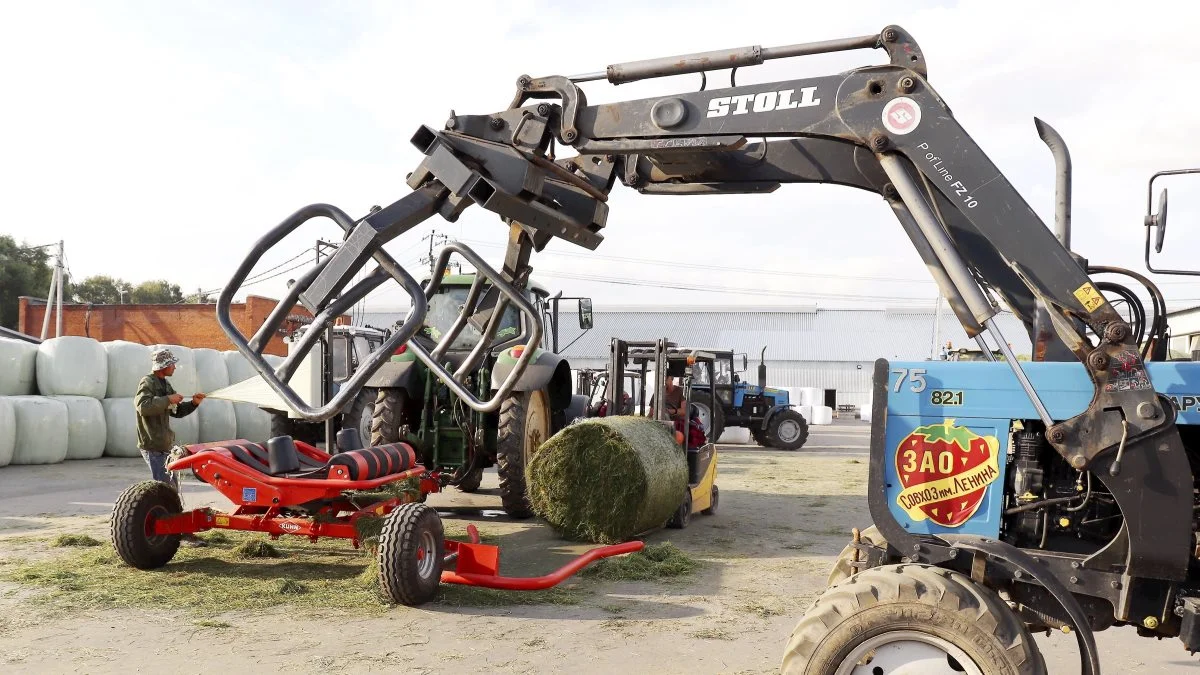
{"x": 669, "y": 360}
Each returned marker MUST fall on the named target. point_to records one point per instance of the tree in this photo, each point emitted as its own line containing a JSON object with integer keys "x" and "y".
{"x": 102, "y": 290}
{"x": 23, "y": 271}
{"x": 159, "y": 291}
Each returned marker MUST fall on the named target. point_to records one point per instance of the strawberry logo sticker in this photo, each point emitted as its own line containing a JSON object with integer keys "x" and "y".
{"x": 945, "y": 471}
{"x": 901, "y": 115}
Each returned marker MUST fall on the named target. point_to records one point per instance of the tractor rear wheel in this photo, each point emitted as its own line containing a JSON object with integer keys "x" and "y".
{"x": 410, "y": 554}
{"x": 524, "y": 426}
{"x": 387, "y": 416}
{"x": 134, "y": 515}
{"x": 361, "y": 415}
{"x": 911, "y": 618}
{"x": 788, "y": 430}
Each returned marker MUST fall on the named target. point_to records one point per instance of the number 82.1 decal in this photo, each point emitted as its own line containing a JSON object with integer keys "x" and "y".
{"x": 946, "y": 397}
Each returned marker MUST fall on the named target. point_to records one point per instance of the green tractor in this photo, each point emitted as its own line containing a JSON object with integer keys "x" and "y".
{"x": 457, "y": 443}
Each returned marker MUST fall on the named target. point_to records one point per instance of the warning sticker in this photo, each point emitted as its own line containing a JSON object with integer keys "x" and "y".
{"x": 223, "y": 521}
{"x": 1089, "y": 297}
{"x": 901, "y": 115}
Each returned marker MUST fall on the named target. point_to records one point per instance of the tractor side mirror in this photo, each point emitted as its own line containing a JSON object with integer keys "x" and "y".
{"x": 1157, "y": 220}
{"x": 585, "y": 313}
{"x": 745, "y": 362}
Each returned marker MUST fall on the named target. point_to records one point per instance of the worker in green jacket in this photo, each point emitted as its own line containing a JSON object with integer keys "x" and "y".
{"x": 156, "y": 402}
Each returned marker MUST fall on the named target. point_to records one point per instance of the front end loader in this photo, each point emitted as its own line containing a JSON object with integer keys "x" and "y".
{"x": 1105, "y": 439}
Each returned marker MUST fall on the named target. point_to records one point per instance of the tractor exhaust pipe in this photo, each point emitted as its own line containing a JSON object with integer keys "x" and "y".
{"x": 1062, "y": 186}
{"x": 762, "y": 369}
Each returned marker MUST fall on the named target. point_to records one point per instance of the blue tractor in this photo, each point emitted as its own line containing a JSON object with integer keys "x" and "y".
{"x": 769, "y": 413}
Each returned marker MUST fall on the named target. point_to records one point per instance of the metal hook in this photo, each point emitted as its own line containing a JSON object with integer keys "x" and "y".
{"x": 733, "y": 77}
{"x": 703, "y": 81}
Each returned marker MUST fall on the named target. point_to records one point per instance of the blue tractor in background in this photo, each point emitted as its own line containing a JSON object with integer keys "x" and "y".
{"x": 768, "y": 413}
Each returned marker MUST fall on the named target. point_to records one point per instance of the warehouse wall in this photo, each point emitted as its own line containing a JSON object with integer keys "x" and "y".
{"x": 190, "y": 325}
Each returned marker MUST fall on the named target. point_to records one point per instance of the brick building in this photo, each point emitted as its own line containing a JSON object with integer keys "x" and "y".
{"x": 187, "y": 325}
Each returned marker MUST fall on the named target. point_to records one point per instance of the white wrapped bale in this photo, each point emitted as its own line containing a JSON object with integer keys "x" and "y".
{"x": 735, "y": 436}
{"x": 811, "y": 396}
{"x": 187, "y": 429}
{"x": 184, "y": 381}
{"x": 211, "y": 372}
{"x": 87, "y": 431}
{"x": 238, "y": 368}
{"x": 821, "y": 414}
{"x": 128, "y": 363}
{"x": 18, "y": 367}
{"x": 8, "y": 431}
{"x": 120, "y": 420}
{"x": 865, "y": 411}
{"x": 253, "y": 423}
{"x": 72, "y": 366}
{"x": 806, "y": 411}
{"x": 218, "y": 422}
{"x": 41, "y": 425}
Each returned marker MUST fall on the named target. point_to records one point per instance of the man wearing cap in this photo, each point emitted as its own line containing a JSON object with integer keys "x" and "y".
{"x": 156, "y": 402}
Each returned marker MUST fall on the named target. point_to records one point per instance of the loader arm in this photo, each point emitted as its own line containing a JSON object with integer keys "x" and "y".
{"x": 881, "y": 128}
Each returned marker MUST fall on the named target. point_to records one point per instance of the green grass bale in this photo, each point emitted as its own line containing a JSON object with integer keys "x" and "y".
{"x": 606, "y": 480}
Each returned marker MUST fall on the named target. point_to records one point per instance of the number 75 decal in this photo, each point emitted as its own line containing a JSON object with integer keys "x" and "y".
{"x": 916, "y": 377}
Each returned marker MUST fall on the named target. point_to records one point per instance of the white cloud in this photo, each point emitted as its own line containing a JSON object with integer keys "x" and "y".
{"x": 162, "y": 139}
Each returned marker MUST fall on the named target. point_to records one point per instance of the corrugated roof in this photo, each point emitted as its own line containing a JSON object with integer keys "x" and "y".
{"x": 789, "y": 334}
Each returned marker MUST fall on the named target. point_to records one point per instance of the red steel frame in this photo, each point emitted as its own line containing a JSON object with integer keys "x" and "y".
{"x": 261, "y": 498}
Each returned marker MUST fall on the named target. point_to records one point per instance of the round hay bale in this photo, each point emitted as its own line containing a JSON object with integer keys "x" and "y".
{"x": 187, "y": 429}
{"x": 86, "y": 428}
{"x": 218, "y": 422}
{"x": 184, "y": 381}
{"x": 8, "y": 431}
{"x": 606, "y": 480}
{"x": 18, "y": 367}
{"x": 72, "y": 366}
{"x": 41, "y": 433}
{"x": 238, "y": 368}
{"x": 128, "y": 363}
{"x": 253, "y": 423}
{"x": 120, "y": 420}
{"x": 211, "y": 372}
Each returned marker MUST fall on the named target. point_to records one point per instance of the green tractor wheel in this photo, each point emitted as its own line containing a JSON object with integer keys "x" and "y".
{"x": 524, "y": 425}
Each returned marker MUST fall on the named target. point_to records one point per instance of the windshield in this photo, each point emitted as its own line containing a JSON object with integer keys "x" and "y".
{"x": 444, "y": 307}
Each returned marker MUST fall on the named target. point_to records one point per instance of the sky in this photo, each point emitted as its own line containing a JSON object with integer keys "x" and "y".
{"x": 162, "y": 139}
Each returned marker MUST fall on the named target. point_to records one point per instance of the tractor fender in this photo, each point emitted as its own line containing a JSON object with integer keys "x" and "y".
{"x": 397, "y": 374}
{"x": 766, "y": 422}
{"x": 546, "y": 370}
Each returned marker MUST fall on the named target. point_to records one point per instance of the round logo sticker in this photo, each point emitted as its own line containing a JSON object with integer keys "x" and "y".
{"x": 901, "y": 115}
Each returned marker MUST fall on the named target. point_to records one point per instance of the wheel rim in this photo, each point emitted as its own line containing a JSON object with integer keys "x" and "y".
{"x": 907, "y": 653}
{"x": 788, "y": 431}
{"x": 537, "y": 423}
{"x": 426, "y": 555}
{"x": 364, "y": 423}
{"x": 705, "y": 416}
{"x": 152, "y": 516}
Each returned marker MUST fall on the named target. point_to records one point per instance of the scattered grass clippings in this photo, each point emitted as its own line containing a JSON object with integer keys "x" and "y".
{"x": 212, "y": 623}
{"x": 712, "y": 634}
{"x": 614, "y": 609}
{"x": 256, "y": 548}
{"x": 853, "y": 461}
{"x": 64, "y": 540}
{"x": 797, "y": 547}
{"x": 657, "y": 561}
{"x": 216, "y": 537}
{"x": 456, "y": 595}
{"x": 760, "y": 609}
{"x": 291, "y": 587}
{"x": 535, "y": 642}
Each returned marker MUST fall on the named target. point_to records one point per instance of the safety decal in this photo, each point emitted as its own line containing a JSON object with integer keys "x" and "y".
{"x": 901, "y": 115}
{"x": 1127, "y": 373}
{"x": 249, "y": 494}
{"x": 1089, "y": 297}
{"x": 945, "y": 470}
{"x": 223, "y": 521}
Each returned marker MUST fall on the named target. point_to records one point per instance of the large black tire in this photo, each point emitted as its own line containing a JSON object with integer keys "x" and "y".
{"x": 524, "y": 426}
{"x": 759, "y": 435}
{"x": 712, "y": 507}
{"x": 894, "y": 614}
{"x": 388, "y": 415}
{"x": 842, "y": 567}
{"x": 134, "y": 514}
{"x": 471, "y": 482}
{"x": 788, "y": 430}
{"x": 361, "y": 415}
{"x": 683, "y": 515}
{"x": 410, "y": 554}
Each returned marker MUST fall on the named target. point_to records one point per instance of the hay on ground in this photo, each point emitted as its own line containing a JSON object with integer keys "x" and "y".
{"x": 256, "y": 548}
{"x": 607, "y": 480}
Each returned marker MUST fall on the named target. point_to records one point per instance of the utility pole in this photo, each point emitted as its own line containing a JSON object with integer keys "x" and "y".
{"x": 432, "y": 237}
{"x": 55, "y": 293}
